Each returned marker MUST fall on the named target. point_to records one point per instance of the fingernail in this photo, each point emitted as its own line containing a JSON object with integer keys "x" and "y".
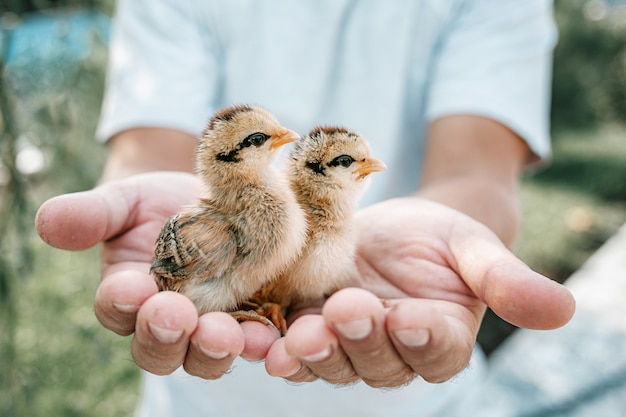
{"x": 164, "y": 335}
{"x": 413, "y": 338}
{"x": 126, "y": 308}
{"x": 355, "y": 330}
{"x": 213, "y": 354}
{"x": 319, "y": 356}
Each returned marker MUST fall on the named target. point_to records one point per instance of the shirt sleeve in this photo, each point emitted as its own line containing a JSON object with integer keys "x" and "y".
{"x": 496, "y": 61}
{"x": 163, "y": 69}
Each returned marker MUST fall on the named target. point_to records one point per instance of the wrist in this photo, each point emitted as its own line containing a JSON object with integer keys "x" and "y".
{"x": 487, "y": 201}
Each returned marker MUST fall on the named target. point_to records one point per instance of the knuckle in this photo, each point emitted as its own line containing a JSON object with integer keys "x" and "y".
{"x": 438, "y": 378}
{"x": 203, "y": 371}
{"x": 158, "y": 365}
{"x": 345, "y": 380}
{"x": 118, "y": 323}
{"x": 398, "y": 379}
{"x": 154, "y": 366}
{"x": 439, "y": 374}
{"x": 337, "y": 372}
{"x": 303, "y": 375}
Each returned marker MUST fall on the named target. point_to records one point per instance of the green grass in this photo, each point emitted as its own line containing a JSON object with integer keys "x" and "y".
{"x": 55, "y": 358}
{"x": 67, "y": 364}
{"x": 576, "y": 203}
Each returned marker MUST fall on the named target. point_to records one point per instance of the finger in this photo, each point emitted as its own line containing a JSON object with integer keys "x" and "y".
{"x": 258, "y": 340}
{"x": 120, "y": 296}
{"x": 279, "y": 363}
{"x": 311, "y": 341}
{"x": 512, "y": 290}
{"x": 164, "y": 324}
{"x": 81, "y": 220}
{"x": 435, "y": 338}
{"x": 359, "y": 320}
{"x": 214, "y": 345}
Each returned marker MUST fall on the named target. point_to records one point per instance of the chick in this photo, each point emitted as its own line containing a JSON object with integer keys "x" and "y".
{"x": 328, "y": 170}
{"x": 248, "y": 228}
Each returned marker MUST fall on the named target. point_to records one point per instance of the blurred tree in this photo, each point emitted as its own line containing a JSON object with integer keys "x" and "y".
{"x": 48, "y": 104}
{"x": 589, "y": 82}
{"x": 15, "y": 253}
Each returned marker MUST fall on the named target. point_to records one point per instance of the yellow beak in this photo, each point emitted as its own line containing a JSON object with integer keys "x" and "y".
{"x": 368, "y": 166}
{"x": 283, "y": 137}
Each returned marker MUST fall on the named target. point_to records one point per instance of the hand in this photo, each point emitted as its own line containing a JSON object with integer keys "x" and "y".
{"x": 126, "y": 217}
{"x": 437, "y": 269}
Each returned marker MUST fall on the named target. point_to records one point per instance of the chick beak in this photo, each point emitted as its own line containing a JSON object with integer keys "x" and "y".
{"x": 283, "y": 137}
{"x": 368, "y": 166}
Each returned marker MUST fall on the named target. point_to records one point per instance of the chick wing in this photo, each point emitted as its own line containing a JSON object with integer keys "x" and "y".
{"x": 194, "y": 246}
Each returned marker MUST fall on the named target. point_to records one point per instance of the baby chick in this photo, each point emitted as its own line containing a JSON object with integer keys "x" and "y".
{"x": 248, "y": 228}
{"x": 328, "y": 170}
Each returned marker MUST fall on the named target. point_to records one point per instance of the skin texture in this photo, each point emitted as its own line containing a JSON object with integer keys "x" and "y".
{"x": 438, "y": 271}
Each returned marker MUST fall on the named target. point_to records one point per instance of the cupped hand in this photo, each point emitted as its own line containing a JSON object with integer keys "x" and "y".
{"x": 126, "y": 216}
{"x": 436, "y": 270}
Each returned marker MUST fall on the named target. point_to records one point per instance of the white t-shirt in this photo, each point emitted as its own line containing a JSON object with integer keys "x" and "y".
{"x": 384, "y": 68}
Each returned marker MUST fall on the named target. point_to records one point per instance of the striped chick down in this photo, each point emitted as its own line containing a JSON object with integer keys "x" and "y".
{"x": 247, "y": 229}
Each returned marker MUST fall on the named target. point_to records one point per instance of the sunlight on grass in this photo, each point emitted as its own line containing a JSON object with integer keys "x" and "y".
{"x": 562, "y": 228}
{"x": 576, "y": 203}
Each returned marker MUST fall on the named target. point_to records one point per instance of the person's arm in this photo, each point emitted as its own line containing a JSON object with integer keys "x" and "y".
{"x": 146, "y": 149}
{"x": 472, "y": 164}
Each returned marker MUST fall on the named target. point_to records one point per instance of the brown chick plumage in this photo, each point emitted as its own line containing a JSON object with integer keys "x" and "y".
{"x": 248, "y": 228}
{"x": 328, "y": 170}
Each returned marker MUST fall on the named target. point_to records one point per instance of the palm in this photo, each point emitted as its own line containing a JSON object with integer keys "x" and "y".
{"x": 436, "y": 269}
{"x": 404, "y": 252}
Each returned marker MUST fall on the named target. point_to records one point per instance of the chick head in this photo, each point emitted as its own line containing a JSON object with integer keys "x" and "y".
{"x": 241, "y": 139}
{"x": 333, "y": 158}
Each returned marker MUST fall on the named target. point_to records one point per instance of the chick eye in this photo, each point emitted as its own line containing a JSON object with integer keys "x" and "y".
{"x": 342, "y": 160}
{"x": 256, "y": 139}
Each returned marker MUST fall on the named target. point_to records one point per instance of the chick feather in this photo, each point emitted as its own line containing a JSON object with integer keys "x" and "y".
{"x": 328, "y": 171}
{"x": 247, "y": 229}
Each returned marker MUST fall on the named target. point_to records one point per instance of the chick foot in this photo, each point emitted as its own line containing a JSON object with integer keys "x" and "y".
{"x": 263, "y": 312}
{"x": 251, "y": 315}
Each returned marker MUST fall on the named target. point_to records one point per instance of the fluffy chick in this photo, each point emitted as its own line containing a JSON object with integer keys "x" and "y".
{"x": 328, "y": 170}
{"x": 248, "y": 228}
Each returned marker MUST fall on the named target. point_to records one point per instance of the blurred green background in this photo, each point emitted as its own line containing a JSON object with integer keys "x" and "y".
{"x": 56, "y": 360}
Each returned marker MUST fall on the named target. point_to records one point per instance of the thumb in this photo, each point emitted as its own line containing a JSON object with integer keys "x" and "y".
{"x": 81, "y": 220}
{"x": 510, "y": 288}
